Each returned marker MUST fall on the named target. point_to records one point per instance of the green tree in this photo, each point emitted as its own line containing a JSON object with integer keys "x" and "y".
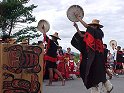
{"x": 13, "y": 12}
{"x": 76, "y": 58}
{"x": 28, "y": 32}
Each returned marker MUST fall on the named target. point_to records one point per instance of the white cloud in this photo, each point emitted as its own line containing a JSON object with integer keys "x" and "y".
{"x": 110, "y": 13}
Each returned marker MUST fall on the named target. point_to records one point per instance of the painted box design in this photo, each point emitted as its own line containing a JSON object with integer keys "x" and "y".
{"x": 21, "y": 68}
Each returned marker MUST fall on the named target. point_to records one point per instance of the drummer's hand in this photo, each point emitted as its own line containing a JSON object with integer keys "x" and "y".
{"x": 77, "y": 15}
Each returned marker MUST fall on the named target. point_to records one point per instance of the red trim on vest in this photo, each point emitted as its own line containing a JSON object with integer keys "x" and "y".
{"x": 44, "y": 37}
{"x": 119, "y": 52}
{"x": 90, "y": 41}
{"x": 95, "y": 44}
{"x": 99, "y": 45}
{"x": 118, "y": 63}
{"x": 50, "y": 58}
{"x": 48, "y": 43}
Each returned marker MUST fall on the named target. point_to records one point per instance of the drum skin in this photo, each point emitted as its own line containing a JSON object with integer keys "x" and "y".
{"x": 75, "y": 9}
{"x": 43, "y": 24}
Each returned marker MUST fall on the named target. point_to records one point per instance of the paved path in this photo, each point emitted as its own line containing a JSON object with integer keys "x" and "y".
{"x": 76, "y": 86}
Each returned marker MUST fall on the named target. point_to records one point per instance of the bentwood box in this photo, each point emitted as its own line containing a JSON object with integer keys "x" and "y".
{"x": 21, "y": 68}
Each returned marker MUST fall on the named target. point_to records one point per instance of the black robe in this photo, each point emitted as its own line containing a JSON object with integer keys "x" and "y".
{"x": 92, "y": 67}
{"x": 119, "y": 60}
{"x": 105, "y": 57}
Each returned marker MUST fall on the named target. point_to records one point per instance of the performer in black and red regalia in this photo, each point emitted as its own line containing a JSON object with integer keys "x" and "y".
{"x": 119, "y": 61}
{"x": 51, "y": 56}
{"x": 90, "y": 44}
{"x": 67, "y": 58}
{"x": 107, "y": 64}
{"x": 60, "y": 62}
{"x": 68, "y": 53}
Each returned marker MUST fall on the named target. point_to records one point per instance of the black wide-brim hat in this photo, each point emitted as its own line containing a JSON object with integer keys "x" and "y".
{"x": 55, "y": 35}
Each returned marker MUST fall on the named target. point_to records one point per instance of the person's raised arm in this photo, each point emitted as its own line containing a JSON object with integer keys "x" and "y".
{"x": 82, "y": 22}
{"x": 44, "y": 34}
{"x": 76, "y": 26}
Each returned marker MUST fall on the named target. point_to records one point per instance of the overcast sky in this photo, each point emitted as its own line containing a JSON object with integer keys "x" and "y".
{"x": 109, "y": 12}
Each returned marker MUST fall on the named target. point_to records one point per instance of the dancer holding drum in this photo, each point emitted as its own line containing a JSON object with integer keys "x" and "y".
{"x": 51, "y": 51}
{"x": 92, "y": 67}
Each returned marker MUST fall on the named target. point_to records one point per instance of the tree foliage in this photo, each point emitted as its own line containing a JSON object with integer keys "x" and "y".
{"x": 13, "y": 12}
{"x": 76, "y": 58}
{"x": 28, "y": 32}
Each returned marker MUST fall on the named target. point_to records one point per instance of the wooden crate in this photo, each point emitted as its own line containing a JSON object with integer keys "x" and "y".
{"x": 21, "y": 68}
